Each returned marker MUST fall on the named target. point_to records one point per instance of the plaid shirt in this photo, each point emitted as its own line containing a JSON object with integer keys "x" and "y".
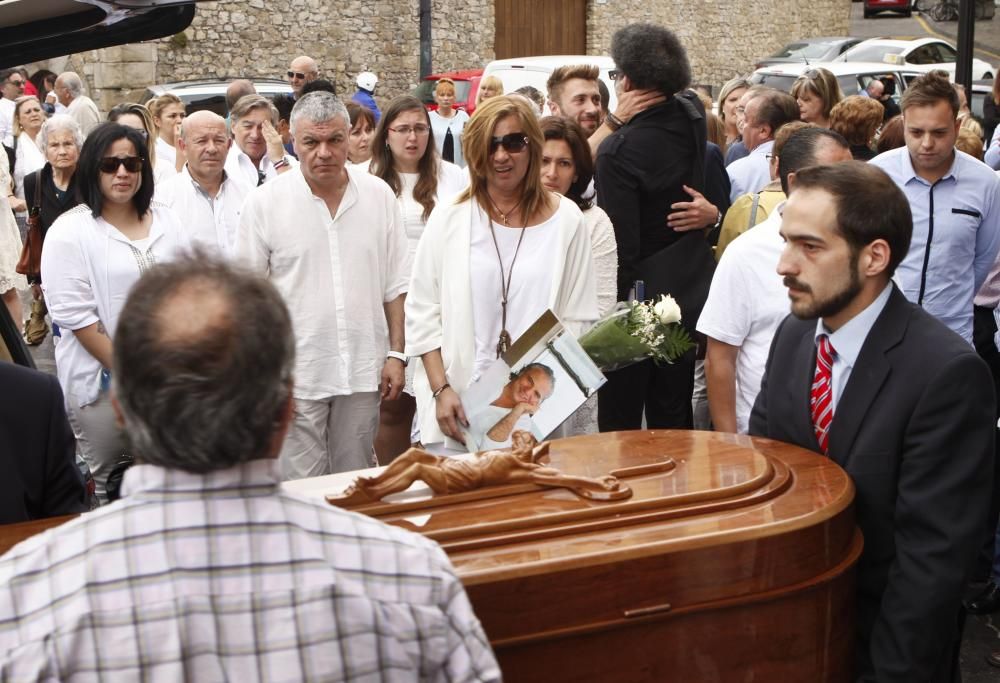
{"x": 225, "y": 577}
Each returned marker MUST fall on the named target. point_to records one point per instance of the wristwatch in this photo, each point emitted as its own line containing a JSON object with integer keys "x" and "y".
{"x": 283, "y": 161}
{"x": 401, "y": 357}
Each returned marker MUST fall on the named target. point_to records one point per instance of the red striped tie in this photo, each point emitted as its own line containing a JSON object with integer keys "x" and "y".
{"x": 821, "y": 399}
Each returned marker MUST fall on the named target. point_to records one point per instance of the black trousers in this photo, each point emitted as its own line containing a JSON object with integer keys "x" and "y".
{"x": 662, "y": 391}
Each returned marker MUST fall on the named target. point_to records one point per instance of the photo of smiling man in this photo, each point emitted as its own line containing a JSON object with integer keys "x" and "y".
{"x": 521, "y": 398}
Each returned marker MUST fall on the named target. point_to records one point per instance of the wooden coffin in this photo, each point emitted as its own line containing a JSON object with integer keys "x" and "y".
{"x": 733, "y": 562}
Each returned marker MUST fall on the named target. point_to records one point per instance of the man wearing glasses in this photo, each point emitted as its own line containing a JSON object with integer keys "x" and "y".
{"x": 302, "y": 70}
{"x": 12, "y": 87}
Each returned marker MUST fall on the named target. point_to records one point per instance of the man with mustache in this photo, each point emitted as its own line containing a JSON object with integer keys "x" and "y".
{"x": 207, "y": 199}
{"x": 902, "y": 403}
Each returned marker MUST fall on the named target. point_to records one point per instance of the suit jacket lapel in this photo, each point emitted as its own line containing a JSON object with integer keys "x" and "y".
{"x": 870, "y": 371}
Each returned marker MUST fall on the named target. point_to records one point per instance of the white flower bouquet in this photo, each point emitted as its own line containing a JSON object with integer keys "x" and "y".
{"x": 636, "y": 331}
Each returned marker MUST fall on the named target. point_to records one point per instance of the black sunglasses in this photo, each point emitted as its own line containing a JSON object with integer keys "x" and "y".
{"x": 613, "y": 74}
{"x": 111, "y": 164}
{"x": 296, "y": 74}
{"x": 512, "y": 142}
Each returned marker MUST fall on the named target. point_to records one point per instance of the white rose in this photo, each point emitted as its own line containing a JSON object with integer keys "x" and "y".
{"x": 667, "y": 310}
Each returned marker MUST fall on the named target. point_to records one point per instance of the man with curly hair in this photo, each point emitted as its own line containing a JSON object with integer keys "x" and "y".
{"x": 641, "y": 170}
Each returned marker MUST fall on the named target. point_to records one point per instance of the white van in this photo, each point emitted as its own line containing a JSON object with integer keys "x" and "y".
{"x": 535, "y": 71}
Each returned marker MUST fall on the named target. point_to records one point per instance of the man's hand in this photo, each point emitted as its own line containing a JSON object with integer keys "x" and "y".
{"x": 632, "y": 102}
{"x": 275, "y": 148}
{"x": 522, "y": 408}
{"x": 693, "y": 215}
{"x": 451, "y": 414}
{"x": 393, "y": 379}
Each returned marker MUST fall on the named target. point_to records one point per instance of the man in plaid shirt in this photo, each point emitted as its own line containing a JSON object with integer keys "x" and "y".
{"x": 206, "y": 570}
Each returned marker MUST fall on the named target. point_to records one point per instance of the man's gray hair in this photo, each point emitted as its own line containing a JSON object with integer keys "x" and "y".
{"x": 58, "y": 124}
{"x": 203, "y": 360}
{"x": 248, "y": 103}
{"x": 318, "y": 107}
{"x": 72, "y": 82}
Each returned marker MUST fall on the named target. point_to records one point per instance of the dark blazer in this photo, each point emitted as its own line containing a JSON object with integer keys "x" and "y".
{"x": 914, "y": 428}
{"x": 37, "y": 449}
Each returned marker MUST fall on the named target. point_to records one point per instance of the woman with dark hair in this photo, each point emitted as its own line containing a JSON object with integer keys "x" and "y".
{"x": 567, "y": 169}
{"x": 406, "y": 158}
{"x": 891, "y": 136}
{"x": 359, "y": 149}
{"x": 137, "y": 117}
{"x": 93, "y": 255}
{"x": 44, "y": 82}
{"x": 489, "y": 264}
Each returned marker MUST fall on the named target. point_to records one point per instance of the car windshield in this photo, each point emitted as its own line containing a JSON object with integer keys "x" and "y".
{"x": 871, "y": 53}
{"x": 782, "y": 82}
{"x": 803, "y": 51}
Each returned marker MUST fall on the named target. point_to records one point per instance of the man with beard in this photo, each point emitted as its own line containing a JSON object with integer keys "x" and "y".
{"x": 898, "y": 400}
{"x": 574, "y": 95}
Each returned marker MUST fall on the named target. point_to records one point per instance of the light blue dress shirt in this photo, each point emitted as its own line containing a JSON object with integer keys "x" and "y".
{"x": 956, "y": 235}
{"x": 847, "y": 342}
{"x": 993, "y": 151}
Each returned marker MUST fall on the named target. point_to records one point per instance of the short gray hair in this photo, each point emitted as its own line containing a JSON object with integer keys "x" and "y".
{"x": 248, "y": 103}
{"x": 72, "y": 82}
{"x": 204, "y": 391}
{"x": 57, "y": 124}
{"x": 318, "y": 107}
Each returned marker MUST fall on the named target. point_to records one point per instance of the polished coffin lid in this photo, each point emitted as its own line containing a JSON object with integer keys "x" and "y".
{"x": 714, "y": 519}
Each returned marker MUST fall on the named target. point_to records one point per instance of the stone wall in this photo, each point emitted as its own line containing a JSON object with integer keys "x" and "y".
{"x": 258, "y": 38}
{"x": 723, "y": 37}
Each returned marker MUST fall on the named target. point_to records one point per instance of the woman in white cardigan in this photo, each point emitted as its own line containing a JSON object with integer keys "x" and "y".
{"x": 93, "y": 255}
{"x": 490, "y": 264}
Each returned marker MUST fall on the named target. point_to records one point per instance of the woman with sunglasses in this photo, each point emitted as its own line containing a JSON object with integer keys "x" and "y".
{"x": 489, "y": 264}
{"x": 406, "y": 159}
{"x": 137, "y": 117}
{"x": 93, "y": 255}
{"x": 816, "y": 92}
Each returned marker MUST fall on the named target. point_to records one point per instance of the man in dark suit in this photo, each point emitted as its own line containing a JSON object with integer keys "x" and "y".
{"x": 898, "y": 400}
{"x": 37, "y": 449}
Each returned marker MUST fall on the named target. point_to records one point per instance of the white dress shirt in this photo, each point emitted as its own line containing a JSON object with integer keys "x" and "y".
{"x": 239, "y": 165}
{"x": 210, "y": 221}
{"x": 165, "y": 152}
{"x": 752, "y": 173}
{"x": 6, "y": 117}
{"x": 88, "y": 268}
{"x": 334, "y": 272}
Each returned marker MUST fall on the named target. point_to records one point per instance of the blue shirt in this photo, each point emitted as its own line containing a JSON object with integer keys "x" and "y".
{"x": 956, "y": 235}
{"x": 847, "y": 342}
{"x": 993, "y": 151}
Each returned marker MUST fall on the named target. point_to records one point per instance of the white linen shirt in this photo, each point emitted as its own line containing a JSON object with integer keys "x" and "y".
{"x": 334, "y": 273}
{"x": 6, "y": 117}
{"x": 88, "y": 269}
{"x": 213, "y": 222}
{"x": 239, "y": 165}
{"x": 750, "y": 174}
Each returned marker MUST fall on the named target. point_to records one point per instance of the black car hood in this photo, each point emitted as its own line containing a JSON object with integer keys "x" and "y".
{"x": 33, "y": 30}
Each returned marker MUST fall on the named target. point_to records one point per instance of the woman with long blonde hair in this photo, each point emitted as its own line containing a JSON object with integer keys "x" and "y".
{"x": 489, "y": 264}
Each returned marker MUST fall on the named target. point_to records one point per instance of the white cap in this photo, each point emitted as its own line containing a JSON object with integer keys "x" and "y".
{"x": 367, "y": 80}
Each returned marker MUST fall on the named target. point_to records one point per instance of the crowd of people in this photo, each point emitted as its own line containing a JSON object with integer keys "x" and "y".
{"x": 356, "y": 269}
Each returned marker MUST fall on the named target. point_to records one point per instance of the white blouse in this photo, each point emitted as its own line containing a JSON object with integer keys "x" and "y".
{"x": 29, "y": 159}
{"x": 440, "y": 126}
{"x": 88, "y": 269}
{"x": 451, "y": 181}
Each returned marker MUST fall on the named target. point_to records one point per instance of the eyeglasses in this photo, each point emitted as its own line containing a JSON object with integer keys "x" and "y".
{"x": 420, "y": 129}
{"x": 770, "y": 157}
{"x": 614, "y": 74}
{"x": 512, "y": 142}
{"x": 111, "y": 164}
{"x": 17, "y": 84}
{"x": 296, "y": 74}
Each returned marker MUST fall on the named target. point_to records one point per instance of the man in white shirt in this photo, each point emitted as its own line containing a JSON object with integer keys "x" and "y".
{"x": 747, "y": 299}
{"x": 258, "y": 155}
{"x": 203, "y": 195}
{"x": 11, "y": 87}
{"x": 332, "y": 241}
{"x": 69, "y": 90}
{"x": 766, "y": 111}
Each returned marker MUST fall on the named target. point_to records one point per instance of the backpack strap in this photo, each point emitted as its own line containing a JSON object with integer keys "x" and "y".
{"x": 753, "y": 210}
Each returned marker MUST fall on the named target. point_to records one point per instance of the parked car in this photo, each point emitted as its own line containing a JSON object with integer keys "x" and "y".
{"x": 535, "y": 71}
{"x": 466, "y": 87}
{"x": 810, "y": 50}
{"x": 921, "y": 54}
{"x": 211, "y": 94}
{"x": 873, "y": 7}
{"x": 853, "y": 77}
